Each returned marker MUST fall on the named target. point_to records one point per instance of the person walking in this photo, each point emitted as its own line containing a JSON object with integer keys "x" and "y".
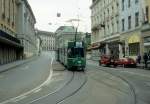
{"x": 139, "y": 59}
{"x": 145, "y": 57}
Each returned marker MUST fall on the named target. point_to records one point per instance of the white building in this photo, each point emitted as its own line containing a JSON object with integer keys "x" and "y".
{"x": 105, "y": 28}
{"x": 47, "y": 40}
{"x": 25, "y": 28}
{"x": 131, "y": 21}
{"x": 117, "y": 27}
{"x": 65, "y": 34}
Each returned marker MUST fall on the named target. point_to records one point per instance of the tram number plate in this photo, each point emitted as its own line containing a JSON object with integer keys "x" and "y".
{"x": 78, "y": 44}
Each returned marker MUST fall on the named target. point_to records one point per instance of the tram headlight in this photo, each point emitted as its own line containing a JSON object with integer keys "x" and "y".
{"x": 79, "y": 62}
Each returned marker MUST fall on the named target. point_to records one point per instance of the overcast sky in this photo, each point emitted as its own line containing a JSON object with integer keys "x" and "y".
{"x": 46, "y": 11}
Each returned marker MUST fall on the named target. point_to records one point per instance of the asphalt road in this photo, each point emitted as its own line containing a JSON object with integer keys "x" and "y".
{"x": 24, "y": 78}
{"x": 90, "y": 87}
{"x": 97, "y": 85}
{"x": 138, "y": 79}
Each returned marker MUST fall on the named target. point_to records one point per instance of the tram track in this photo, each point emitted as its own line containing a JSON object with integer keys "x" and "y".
{"x": 130, "y": 85}
{"x": 71, "y": 87}
{"x": 132, "y": 89}
{"x": 85, "y": 81}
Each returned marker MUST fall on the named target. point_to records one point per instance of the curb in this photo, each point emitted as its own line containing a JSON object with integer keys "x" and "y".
{"x": 19, "y": 64}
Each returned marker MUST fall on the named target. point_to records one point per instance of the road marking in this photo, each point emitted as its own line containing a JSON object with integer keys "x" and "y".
{"x": 56, "y": 80}
{"x": 22, "y": 97}
{"x": 56, "y": 74}
{"x": 38, "y": 90}
{"x": 31, "y": 91}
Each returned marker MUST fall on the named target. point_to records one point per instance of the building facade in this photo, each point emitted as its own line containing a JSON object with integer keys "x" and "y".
{"x": 120, "y": 28}
{"x": 64, "y": 34}
{"x": 47, "y": 40}
{"x": 25, "y": 28}
{"x": 146, "y": 28}
{"x": 131, "y": 21}
{"x": 10, "y": 47}
{"x": 105, "y": 28}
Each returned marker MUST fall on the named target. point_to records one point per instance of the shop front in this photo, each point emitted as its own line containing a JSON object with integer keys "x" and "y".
{"x": 132, "y": 44}
{"x": 147, "y": 44}
{"x": 95, "y": 51}
{"x": 146, "y": 38}
{"x": 10, "y": 48}
{"x": 114, "y": 49}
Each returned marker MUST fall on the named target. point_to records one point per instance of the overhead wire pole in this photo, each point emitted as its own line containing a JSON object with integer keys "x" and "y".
{"x": 76, "y": 30}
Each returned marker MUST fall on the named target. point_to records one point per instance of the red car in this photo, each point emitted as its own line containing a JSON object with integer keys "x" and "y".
{"x": 127, "y": 62}
{"x": 107, "y": 60}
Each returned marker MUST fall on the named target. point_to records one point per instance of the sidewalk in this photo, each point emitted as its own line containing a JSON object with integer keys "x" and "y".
{"x": 57, "y": 66}
{"x": 14, "y": 64}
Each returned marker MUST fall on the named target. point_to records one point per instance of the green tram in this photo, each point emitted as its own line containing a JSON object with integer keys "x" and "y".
{"x": 73, "y": 56}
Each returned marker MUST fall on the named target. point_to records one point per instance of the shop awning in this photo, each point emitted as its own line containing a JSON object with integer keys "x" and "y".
{"x": 10, "y": 40}
{"x": 89, "y": 48}
{"x": 95, "y": 45}
{"x": 134, "y": 39}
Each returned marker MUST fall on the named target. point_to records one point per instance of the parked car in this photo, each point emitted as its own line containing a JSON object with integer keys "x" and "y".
{"x": 107, "y": 60}
{"x": 127, "y": 62}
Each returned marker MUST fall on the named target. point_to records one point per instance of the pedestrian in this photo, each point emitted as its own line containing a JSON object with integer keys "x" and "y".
{"x": 139, "y": 59}
{"x": 145, "y": 57}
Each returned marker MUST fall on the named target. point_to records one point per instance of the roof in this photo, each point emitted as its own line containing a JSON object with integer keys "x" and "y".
{"x": 40, "y": 32}
{"x": 65, "y": 29}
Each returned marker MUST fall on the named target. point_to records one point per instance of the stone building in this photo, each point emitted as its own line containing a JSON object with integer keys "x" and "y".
{"x": 131, "y": 21}
{"x": 47, "y": 40}
{"x": 105, "y": 28}
{"x": 120, "y": 28}
{"x": 25, "y": 28}
{"x": 64, "y": 34}
{"x": 10, "y": 47}
{"x": 146, "y": 27}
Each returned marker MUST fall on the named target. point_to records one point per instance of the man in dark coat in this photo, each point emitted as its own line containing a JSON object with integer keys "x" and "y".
{"x": 145, "y": 57}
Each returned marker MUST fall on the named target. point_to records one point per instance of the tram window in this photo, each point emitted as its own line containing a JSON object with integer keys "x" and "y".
{"x": 70, "y": 53}
{"x": 75, "y": 52}
{"x": 79, "y": 52}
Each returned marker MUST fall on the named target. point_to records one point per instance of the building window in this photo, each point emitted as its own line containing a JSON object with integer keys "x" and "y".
{"x": 117, "y": 5}
{"x": 122, "y": 5}
{"x": 147, "y": 14}
{"x": 123, "y": 21}
{"x": 136, "y": 19}
{"x": 134, "y": 49}
{"x": 13, "y": 10}
{"x": 129, "y": 22}
{"x": 112, "y": 28}
{"x": 3, "y": 8}
{"x": 117, "y": 26}
{"x": 136, "y": 1}
{"x": 129, "y": 3}
{"x": 10, "y": 2}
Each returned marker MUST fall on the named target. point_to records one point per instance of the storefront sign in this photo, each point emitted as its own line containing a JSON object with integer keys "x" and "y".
{"x": 134, "y": 39}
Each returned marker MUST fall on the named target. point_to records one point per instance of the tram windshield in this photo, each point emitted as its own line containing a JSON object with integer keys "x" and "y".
{"x": 75, "y": 52}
